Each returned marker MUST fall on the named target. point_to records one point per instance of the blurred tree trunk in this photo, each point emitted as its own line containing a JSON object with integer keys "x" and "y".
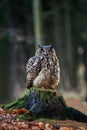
{"x": 59, "y": 41}
{"x": 57, "y": 37}
{"x": 16, "y": 68}
{"x": 5, "y": 61}
{"x": 37, "y": 12}
{"x": 68, "y": 43}
{"x": 81, "y": 82}
{"x": 63, "y": 44}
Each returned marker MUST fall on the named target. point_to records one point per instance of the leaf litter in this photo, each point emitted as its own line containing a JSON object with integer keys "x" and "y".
{"x": 8, "y": 121}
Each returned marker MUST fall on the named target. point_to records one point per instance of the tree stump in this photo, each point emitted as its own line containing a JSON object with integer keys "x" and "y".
{"x": 45, "y": 103}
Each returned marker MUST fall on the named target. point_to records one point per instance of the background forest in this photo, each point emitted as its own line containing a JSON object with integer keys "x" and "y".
{"x": 26, "y": 23}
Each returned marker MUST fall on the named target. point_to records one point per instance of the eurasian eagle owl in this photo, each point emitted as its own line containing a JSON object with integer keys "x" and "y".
{"x": 43, "y": 69}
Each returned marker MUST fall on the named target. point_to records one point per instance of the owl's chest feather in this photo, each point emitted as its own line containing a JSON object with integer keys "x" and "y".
{"x": 50, "y": 63}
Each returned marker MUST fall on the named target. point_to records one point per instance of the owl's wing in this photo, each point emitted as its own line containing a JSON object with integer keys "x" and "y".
{"x": 58, "y": 70}
{"x": 33, "y": 68}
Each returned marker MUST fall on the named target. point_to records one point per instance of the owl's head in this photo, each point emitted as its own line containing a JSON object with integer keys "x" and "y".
{"x": 45, "y": 51}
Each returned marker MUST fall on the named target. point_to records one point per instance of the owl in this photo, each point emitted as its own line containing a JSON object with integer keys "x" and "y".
{"x": 43, "y": 70}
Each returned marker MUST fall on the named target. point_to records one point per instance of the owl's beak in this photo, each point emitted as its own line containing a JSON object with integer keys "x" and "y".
{"x": 46, "y": 54}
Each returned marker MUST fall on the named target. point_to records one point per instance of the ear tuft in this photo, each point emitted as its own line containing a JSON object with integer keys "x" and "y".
{"x": 51, "y": 47}
{"x": 40, "y": 46}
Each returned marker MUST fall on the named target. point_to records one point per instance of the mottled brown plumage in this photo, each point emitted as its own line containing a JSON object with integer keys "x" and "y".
{"x": 43, "y": 69}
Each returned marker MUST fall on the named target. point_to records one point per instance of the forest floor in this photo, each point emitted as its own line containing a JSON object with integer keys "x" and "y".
{"x": 7, "y": 121}
{"x": 77, "y": 104}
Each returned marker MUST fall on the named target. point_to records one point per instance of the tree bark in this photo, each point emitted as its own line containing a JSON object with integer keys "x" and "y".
{"x": 68, "y": 44}
{"x": 45, "y": 103}
{"x": 37, "y": 22}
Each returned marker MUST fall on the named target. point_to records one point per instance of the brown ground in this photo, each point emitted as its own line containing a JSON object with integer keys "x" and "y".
{"x": 8, "y": 123}
{"x": 78, "y": 104}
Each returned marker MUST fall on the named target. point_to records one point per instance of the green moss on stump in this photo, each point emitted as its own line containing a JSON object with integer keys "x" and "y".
{"x": 42, "y": 103}
{"x": 19, "y": 103}
{"x": 45, "y": 103}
